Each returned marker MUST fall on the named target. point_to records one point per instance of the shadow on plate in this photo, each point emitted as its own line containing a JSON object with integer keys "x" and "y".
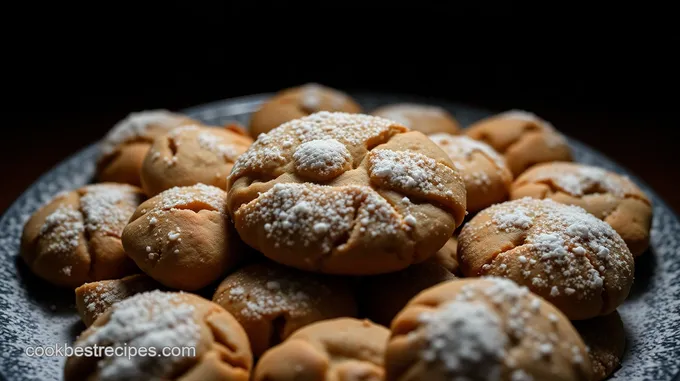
{"x": 50, "y": 298}
{"x": 645, "y": 267}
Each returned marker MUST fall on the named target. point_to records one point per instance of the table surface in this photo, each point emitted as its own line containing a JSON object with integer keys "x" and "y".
{"x": 639, "y": 144}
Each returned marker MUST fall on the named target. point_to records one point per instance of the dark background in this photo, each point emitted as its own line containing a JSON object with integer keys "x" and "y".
{"x": 75, "y": 76}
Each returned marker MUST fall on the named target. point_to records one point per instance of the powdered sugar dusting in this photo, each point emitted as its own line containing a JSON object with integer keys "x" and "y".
{"x": 323, "y": 158}
{"x": 136, "y": 125}
{"x": 403, "y": 113}
{"x": 317, "y": 215}
{"x": 62, "y": 230}
{"x": 410, "y": 171}
{"x": 274, "y": 148}
{"x": 215, "y": 143}
{"x": 461, "y": 149}
{"x": 152, "y": 319}
{"x": 108, "y": 207}
{"x": 200, "y": 193}
{"x": 526, "y": 116}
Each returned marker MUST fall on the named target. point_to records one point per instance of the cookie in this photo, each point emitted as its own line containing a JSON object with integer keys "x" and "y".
{"x": 76, "y": 237}
{"x": 483, "y": 329}
{"x": 383, "y": 296}
{"x": 124, "y": 147}
{"x": 160, "y": 335}
{"x": 486, "y": 175}
{"x": 447, "y": 256}
{"x": 611, "y": 197}
{"x": 605, "y": 338}
{"x": 523, "y": 138}
{"x": 425, "y": 118}
{"x": 331, "y": 192}
{"x": 337, "y": 349}
{"x": 190, "y": 155}
{"x": 94, "y": 298}
{"x": 561, "y": 252}
{"x": 272, "y": 301}
{"x": 297, "y": 102}
{"x": 183, "y": 237}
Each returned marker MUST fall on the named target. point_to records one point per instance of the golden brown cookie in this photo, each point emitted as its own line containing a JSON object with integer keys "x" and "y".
{"x": 192, "y": 154}
{"x": 296, "y": 102}
{"x": 272, "y": 301}
{"x": 523, "y": 138}
{"x": 94, "y": 298}
{"x": 124, "y": 147}
{"x": 561, "y": 252}
{"x": 383, "y": 296}
{"x": 487, "y": 177}
{"x": 332, "y": 193}
{"x": 183, "y": 237}
{"x": 338, "y": 349}
{"x": 605, "y": 338}
{"x": 427, "y": 119}
{"x": 447, "y": 256}
{"x": 609, "y": 196}
{"x": 160, "y": 335}
{"x": 76, "y": 237}
{"x": 483, "y": 329}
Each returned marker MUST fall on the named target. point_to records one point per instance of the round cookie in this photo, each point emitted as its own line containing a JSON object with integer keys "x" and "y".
{"x": 611, "y": 197}
{"x": 487, "y": 177}
{"x": 76, "y": 237}
{"x": 427, "y": 119}
{"x": 383, "y": 296}
{"x": 337, "y": 349}
{"x": 561, "y": 252}
{"x": 124, "y": 147}
{"x": 94, "y": 298}
{"x": 192, "y": 154}
{"x": 160, "y": 335}
{"x": 483, "y": 329}
{"x": 182, "y": 237}
{"x": 272, "y": 301}
{"x": 605, "y": 338}
{"x": 331, "y": 192}
{"x": 297, "y": 102}
{"x": 523, "y": 138}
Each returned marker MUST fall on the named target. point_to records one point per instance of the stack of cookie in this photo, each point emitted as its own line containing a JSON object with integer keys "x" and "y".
{"x": 332, "y": 244}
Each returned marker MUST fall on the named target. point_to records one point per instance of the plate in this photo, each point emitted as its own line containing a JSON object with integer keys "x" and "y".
{"x": 37, "y": 316}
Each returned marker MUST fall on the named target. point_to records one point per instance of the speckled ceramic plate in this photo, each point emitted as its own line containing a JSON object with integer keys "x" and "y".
{"x": 33, "y": 313}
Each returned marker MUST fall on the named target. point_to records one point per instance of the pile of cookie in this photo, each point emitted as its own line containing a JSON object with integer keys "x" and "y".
{"x": 329, "y": 243}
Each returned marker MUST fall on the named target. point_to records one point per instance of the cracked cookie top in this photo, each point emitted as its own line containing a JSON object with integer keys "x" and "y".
{"x": 346, "y": 194}
{"x": 523, "y": 138}
{"x": 560, "y": 252}
{"x": 182, "y": 237}
{"x": 205, "y": 339}
{"x": 609, "y": 196}
{"x": 76, "y": 237}
{"x": 123, "y": 148}
{"x": 192, "y": 154}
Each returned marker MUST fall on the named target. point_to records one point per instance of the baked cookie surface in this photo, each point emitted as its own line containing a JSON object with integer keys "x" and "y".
{"x": 76, "y": 237}
{"x": 609, "y": 196}
{"x": 420, "y": 117}
{"x": 183, "y": 238}
{"x": 605, "y": 338}
{"x": 483, "y": 329}
{"x": 190, "y": 155}
{"x": 208, "y": 342}
{"x": 273, "y": 301}
{"x": 338, "y": 349}
{"x": 124, "y": 147}
{"x": 94, "y": 298}
{"x": 523, "y": 138}
{"x": 297, "y": 102}
{"x": 332, "y": 193}
{"x": 560, "y": 252}
{"x": 486, "y": 175}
